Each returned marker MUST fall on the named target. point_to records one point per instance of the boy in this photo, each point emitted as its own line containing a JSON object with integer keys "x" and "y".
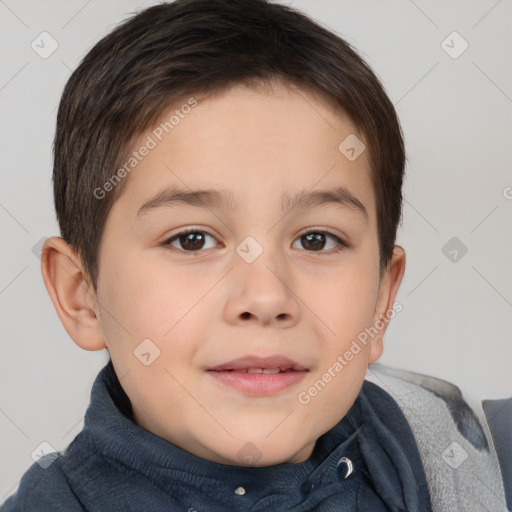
{"x": 227, "y": 180}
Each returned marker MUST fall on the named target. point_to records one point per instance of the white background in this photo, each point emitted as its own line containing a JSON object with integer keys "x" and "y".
{"x": 456, "y": 116}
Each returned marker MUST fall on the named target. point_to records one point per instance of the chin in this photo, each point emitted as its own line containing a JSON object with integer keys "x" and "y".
{"x": 261, "y": 454}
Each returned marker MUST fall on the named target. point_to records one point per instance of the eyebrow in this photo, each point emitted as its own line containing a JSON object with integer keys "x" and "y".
{"x": 224, "y": 199}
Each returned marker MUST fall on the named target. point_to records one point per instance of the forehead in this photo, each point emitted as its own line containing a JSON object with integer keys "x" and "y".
{"x": 262, "y": 145}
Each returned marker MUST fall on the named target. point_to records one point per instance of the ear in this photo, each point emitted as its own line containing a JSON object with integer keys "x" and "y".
{"x": 72, "y": 294}
{"x": 388, "y": 288}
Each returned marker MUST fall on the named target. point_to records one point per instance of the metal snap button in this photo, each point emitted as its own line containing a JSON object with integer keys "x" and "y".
{"x": 307, "y": 487}
{"x": 345, "y": 463}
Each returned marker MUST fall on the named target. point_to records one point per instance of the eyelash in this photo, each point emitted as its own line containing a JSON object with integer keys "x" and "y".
{"x": 341, "y": 244}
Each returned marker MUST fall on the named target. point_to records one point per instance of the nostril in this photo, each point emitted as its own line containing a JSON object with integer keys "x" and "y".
{"x": 246, "y": 315}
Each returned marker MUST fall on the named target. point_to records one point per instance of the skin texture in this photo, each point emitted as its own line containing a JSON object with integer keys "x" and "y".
{"x": 205, "y": 307}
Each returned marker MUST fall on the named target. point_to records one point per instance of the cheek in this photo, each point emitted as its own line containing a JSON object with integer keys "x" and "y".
{"x": 145, "y": 299}
{"x": 348, "y": 308}
{"x": 346, "y": 303}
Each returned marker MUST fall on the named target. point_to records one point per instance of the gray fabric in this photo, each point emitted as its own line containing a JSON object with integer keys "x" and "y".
{"x": 458, "y": 455}
{"x": 499, "y": 417}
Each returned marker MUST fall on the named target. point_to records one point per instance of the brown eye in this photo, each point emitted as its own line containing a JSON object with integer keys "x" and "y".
{"x": 189, "y": 241}
{"x": 313, "y": 241}
{"x": 316, "y": 241}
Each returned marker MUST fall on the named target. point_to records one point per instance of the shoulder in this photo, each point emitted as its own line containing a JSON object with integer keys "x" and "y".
{"x": 457, "y": 453}
{"x": 43, "y": 487}
{"x": 443, "y": 400}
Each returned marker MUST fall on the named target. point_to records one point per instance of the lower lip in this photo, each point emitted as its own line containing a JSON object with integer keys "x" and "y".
{"x": 259, "y": 384}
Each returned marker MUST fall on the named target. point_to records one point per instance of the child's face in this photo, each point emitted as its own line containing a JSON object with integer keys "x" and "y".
{"x": 214, "y": 298}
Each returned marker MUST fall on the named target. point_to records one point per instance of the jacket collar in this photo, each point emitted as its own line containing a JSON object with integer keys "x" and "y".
{"x": 110, "y": 427}
{"x": 384, "y": 459}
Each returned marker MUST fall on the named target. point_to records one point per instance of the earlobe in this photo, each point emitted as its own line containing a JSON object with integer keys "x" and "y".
{"x": 376, "y": 349}
{"x": 71, "y": 293}
{"x": 389, "y": 286}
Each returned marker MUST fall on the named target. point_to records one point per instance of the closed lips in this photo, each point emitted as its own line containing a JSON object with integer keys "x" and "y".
{"x": 256, "y": 364}
{"x": 257, "y": 370}
{"x": 259, "y": 375}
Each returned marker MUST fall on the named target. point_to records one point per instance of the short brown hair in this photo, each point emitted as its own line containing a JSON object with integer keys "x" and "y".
{"x": 172, "y": 51}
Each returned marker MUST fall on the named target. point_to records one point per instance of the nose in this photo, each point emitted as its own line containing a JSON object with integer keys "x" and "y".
{"x": 263, "y": 293}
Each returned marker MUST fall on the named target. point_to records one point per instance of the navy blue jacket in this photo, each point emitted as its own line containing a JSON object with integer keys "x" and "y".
{"x": 115, "y": 465}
